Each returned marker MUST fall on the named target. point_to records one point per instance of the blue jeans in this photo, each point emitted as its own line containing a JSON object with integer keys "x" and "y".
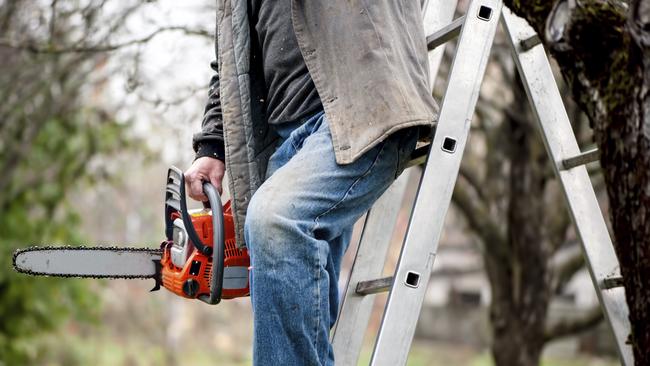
{"x": 298, "y": 226}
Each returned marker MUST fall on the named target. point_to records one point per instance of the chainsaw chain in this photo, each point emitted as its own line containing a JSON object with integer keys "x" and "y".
{"x": 70, "y": 247}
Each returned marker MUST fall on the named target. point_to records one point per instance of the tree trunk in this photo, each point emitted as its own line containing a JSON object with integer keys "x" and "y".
{"x": 521, "y": 284}
{"x": 603, "y": 49}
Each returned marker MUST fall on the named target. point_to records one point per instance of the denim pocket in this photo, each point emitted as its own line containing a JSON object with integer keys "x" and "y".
{"x": 408, "y": 139}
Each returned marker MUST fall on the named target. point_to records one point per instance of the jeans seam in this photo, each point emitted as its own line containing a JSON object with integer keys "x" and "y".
{"x": 347, "y": 192}
{"x": 296, "y": 135}
{"x": 317, "y": 325}
{"x": 295, "y": 148}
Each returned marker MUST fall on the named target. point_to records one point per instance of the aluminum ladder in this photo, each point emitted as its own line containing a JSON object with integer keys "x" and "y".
{"x": 408, "y": 285}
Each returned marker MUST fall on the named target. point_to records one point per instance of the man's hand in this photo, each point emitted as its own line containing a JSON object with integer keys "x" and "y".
{"x": 204, "y": 169}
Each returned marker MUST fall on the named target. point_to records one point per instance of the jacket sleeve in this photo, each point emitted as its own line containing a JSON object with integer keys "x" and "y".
{"x": 210, "y": 141}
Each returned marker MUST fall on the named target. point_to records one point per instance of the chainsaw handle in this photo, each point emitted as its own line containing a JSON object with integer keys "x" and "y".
{"x": 176, "y": 202}
{"x": 218, "y": 252}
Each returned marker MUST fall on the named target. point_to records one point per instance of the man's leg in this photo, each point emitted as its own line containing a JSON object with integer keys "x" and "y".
{"x": 298, "y": 227}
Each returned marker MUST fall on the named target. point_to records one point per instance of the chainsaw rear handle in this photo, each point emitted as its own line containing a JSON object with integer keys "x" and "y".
{"x": 175, "y": 200}
{"x": 218, "y": 237}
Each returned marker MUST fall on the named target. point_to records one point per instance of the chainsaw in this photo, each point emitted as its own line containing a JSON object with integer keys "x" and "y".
{"x": 199, "y": 258}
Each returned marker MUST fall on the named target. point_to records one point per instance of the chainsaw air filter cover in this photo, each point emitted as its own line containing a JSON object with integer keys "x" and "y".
{"x": 182, "y": 247}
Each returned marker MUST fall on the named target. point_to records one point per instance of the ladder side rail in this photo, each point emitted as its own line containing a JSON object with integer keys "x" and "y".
{"x": 355, "y": 310}
{"x": 436, "y": 186}
{"x": 561, "y": 145}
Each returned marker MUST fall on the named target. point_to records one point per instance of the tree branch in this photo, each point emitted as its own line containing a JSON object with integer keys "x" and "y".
{"x": 474, "y": 181}
{"x": 569, "y": 327}
{"x": 44, "y": 49}
{"x": 479, "y": 219}
{"x": 566, "y": 269}
{"x": 558, "y": 223}
{"x": 457, "y": 272}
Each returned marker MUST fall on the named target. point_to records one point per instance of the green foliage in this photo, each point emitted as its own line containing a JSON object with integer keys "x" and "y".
{"x": 35, "y": 210}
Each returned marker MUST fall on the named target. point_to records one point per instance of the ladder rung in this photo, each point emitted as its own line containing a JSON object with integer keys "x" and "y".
{"x": 374, "y": 286}
{"x": 446, "y": 34}
{"x": 530, "y": 42}
{"x": 419, "y": 156}
{"x": 612, "y": 282}
{"x": 582, "y": 159}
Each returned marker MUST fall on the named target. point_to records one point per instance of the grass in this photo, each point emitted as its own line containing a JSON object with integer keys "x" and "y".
{"x": 104, "y": 349}
{"x": 445, "y": 354}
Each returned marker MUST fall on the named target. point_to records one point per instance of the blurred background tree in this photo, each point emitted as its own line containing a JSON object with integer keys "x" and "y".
{"x": 512, "y": 202}
{"x": 603, "y": 50}
{"x": 53, "y": 140}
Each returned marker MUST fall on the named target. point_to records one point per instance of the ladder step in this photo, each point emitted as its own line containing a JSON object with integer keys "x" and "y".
{"x": 419, "y": 156}
{"x": 374, "y": 286}
{"x": 446, "y": 34}
{"x": 582, "y": 159}
{"x": 530, "y": 42}
{"x": 612, "y": 282}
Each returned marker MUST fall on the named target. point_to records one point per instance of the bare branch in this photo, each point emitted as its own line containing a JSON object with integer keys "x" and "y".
{"x": 558, "y": 224}
{"x": 167, "y": 103}
{"x": 457, "y": 272}
{"x": 566, "y": 328}
{"x": 471, "y": 177}
{"x": 567, "y": 268}
{"x": 479, "y": 219}
{"x": 34, "y": 48}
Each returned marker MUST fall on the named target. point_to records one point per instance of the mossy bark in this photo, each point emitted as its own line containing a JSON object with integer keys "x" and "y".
{"x": 604, "y": 55}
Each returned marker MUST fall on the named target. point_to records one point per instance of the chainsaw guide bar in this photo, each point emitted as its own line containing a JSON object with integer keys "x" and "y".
{"x": 88, "y": 262}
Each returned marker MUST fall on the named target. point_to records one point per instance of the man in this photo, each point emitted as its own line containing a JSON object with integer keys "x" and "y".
{"x": 314, "y": 111}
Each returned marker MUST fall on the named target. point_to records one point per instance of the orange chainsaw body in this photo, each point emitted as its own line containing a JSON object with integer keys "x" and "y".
{"x": 193, "y": 278}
